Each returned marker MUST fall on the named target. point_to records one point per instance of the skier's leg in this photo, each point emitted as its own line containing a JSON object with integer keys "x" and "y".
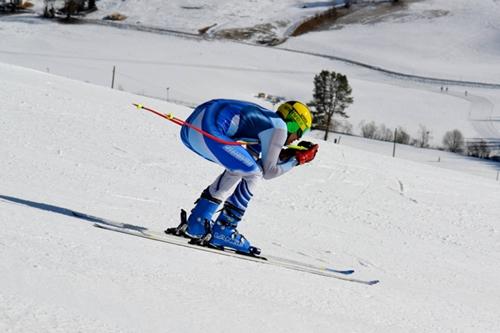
{"x": 223, "y": 184}
{"x": 224, "y": 232}
{"x": 208, "y": 202}
{"x": 213, "y": 195}
{"x": 205, "y": 207}
{"x": 244, "y": 191}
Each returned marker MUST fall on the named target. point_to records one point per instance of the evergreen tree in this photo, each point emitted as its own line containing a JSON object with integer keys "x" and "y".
{"x": 332, "y": 95}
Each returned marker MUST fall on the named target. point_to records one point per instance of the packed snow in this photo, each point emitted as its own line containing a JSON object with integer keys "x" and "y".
{"x": 424, "y": 223}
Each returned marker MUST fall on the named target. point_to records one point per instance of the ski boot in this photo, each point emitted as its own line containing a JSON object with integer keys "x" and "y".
{"x": 199, "y": 222}
{"x": 225, "y": 235}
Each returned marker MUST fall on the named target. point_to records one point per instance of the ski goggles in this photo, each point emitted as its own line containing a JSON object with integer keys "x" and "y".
{"x": 297, "y": 125}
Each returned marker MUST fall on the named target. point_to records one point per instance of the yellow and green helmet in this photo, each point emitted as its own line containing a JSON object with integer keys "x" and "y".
{"x": 297, "y": 116}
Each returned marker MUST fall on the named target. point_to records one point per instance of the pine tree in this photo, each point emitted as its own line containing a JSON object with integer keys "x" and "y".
{"x": 332, "y": 95}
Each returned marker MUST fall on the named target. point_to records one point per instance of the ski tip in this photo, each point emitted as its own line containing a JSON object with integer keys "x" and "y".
{"x": 346, "y": 272}
{"x": 372, "y": 282}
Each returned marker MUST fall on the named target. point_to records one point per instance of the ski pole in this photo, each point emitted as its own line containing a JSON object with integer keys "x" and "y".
{"x": 180, "y": 122}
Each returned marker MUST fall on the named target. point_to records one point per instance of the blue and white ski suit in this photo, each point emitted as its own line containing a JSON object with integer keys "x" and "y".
{"x": 233, "y": 120}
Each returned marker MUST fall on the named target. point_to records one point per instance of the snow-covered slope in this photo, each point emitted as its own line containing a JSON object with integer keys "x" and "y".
{"x": 454, "y": 39}
{"x": 430, "y": 235}
{"x": 194, "y": 14}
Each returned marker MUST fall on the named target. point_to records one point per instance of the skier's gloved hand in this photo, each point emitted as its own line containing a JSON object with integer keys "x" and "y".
{"x": 289, "y": 151}
{"x": 304, "y": 156}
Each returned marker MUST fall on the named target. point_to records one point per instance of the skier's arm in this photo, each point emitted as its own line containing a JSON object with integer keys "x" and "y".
{"x": 272, "y": 141}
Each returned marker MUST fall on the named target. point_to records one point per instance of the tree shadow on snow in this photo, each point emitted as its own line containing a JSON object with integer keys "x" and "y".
{"x": 70, "y": 213}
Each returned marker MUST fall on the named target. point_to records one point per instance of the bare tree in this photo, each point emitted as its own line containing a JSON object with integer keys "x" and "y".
{"x": 384, "y": 134}
{"x": 402, "y": 136}
{"x": 49, "y": 8}
{"x": 479, "y": 149}
{"x": 454, "y": 141}
{"x": 484, "y": 149}
{"x": 72, "y": 7}
{"x": 424, "y": 136}
{"x": 368, "y": 130}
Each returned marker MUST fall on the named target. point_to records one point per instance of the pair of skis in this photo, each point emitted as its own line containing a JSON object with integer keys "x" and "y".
{"x": 271, "y": 260}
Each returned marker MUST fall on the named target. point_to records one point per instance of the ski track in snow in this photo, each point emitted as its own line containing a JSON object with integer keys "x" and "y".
{"x": 480, "y": 114}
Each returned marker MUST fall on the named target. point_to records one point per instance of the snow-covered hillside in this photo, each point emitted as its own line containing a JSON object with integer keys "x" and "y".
{"x": 455, "y": 39}
{"x": 430, "y": 235}
{"x": 192, "y": 15}
{"x": 192, "y": 71}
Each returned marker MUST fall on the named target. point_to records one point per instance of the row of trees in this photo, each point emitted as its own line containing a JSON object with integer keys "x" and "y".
{"x": 372, "y": 131}
{"x": 70, "y": 7}
{"x": 14, "y": 5}
{"x": 453, "y": 140}
{"x": 381, "y": 132}
{"x": 333, "y": 94}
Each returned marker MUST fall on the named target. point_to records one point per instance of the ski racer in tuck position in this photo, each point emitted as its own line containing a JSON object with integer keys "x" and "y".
{"x": 266, "y": 156}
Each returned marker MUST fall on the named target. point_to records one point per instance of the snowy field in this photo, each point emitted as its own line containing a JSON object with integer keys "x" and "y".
{"x": 272, "y": 18}
{"x": 430, "y": 235}
{"x": 455, "y": 39}
{"x": 427, "y": 230}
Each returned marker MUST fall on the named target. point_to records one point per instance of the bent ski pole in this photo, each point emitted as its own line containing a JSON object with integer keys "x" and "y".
{"x": 180, "y": 122}
{"x": 175, "y": 120}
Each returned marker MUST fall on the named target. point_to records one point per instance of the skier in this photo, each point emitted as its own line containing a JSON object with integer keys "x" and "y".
{"x": 264, "y": 157}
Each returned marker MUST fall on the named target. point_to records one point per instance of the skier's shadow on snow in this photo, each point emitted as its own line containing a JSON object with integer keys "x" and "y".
{"x": 70, "y": 213}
